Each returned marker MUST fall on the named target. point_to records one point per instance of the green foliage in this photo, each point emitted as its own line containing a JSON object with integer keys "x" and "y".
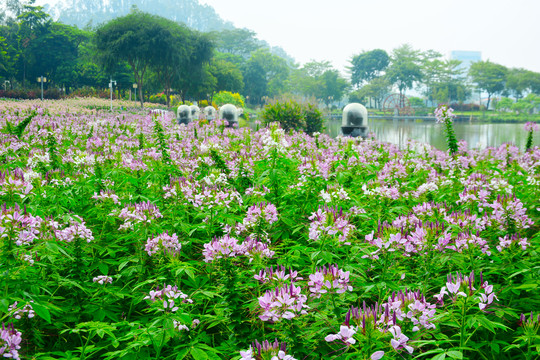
{"x": 227, "y": 97}
{"x": 290, "y": 115}
{"x": 409, "y": 238}
{"x": 314, "y": 118}
{"x": 19, "y": 129}
{"x": 404, "y": 69}
{"x": 368, "y": 65}
{"x": 489, "y": 77}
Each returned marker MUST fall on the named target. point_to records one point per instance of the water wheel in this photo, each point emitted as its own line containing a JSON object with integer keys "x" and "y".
{"x": 397, "y": 104}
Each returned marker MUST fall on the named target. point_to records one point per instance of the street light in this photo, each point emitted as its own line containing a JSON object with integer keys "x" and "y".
{"x": 111, "y": 87}
{"x": 41, "y": 79}
{"x": 135, "y": 86}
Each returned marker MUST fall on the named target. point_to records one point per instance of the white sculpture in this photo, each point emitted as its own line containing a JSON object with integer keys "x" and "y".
{"x": 354, "y": 121}
{"x": 230, "y": 113}
{"x": 183, "y": 115}
{"x": 195, "y": 112}
{"x": 210, "y": 113}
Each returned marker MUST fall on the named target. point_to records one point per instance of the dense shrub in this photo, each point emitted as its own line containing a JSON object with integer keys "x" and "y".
{"x": 467, "y": 107}
{"x": 289, "y": 114}
{"x": 90, "y": 92}
{"x": 160, "y": 98}
{"x": 293, "y": 115}
{"x": 227, "y": 97}
{"x": 314, "y": 119}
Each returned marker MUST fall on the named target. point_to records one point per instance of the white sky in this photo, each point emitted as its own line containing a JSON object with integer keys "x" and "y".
{"x": 506, "y": 32}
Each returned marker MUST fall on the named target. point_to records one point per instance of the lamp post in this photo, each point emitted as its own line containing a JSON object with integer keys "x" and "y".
{"x": 135, "y": 86}
{"x": 111, "y": 87}
{"x": 42, "y": 79}
{"x": 6, "y": 82}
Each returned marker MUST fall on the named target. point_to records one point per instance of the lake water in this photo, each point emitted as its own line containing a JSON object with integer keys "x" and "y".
{"x": 477, "y": 135}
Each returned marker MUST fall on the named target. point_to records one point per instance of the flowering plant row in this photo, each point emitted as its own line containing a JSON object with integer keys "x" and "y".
{"x": 126, "y": 236}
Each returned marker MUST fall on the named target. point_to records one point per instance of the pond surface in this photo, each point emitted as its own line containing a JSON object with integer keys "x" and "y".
{"x": 478, "y": 135}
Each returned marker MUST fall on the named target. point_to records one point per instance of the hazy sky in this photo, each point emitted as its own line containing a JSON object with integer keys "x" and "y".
{"x": 506, "y": 32}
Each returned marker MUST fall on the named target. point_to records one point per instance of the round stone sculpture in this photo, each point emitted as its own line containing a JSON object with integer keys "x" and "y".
{"x": 195, "y": 112}
{"x": 183, "y": 115}
{"x": 230, "y": 113}
{"x": 210, "y": 113}
{"x": 354, "y": 120}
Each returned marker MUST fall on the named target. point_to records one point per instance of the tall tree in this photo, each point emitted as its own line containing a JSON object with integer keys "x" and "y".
{"x": 193, "y": 70}
{"x": 228, "y": 76}
{"x": 368, "y": 65}
{"x": 489, "y": 77}
{"x": 33, "y": 23}
{"x": 377, "y": 89}
{"x": 265, "y": 74}
{"x": 172, "y": 49}
{"x": 518, "y": 81}
{"x": 240, "y": 42}
{"x": 404, "y": 69}
{"x": 131, "y": 38}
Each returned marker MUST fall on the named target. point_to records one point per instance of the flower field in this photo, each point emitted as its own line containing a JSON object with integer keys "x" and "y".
{"x": 126, "y": 236}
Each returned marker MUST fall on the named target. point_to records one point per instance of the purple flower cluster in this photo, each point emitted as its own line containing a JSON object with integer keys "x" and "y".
{"x": 280, "y": 275}
{"x": 258, "y": 219}
{"x": 76, "y": 230}
{"x": 168, "y": 244}
{"x": 19, "y": 225}
{"x": 531, "y": 126}
{"x": 329, "y": 280}
{"x": 266, "y": 350}
{"x": 330, "y": 223}
{"x": 18, "y": 313}
{"x": 461, "y": 285}
{"x": 344, "y": 335}
{"x": 201, "y": 195}
{"x": 13, "y": 183}
{"x": 402, "y": 308}
{"x": 334, "y": 194}
{"x": 530, "y": 322}
{"x": 444, "y": 114}
{"x": 102, "y": 279}
{"x": 105, "y": 195}
{"x": 10, "y": 340}
{"x": 436, "y": 227}
{"x": 168, "y": 295}
{"x": 284, "y": 302}
{"x": 138, "y": 213}
{"x": 229, "y": 247}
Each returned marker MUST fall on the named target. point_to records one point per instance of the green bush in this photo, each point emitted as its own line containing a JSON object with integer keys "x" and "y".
{"x": 227, "y": 97}
{"x": 314, "y": 119}
{"x": 289, "y": 114}
{"x": 293, "y": 115}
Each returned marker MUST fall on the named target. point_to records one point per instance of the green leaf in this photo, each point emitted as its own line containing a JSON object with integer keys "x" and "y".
{"x": 198, "y": 354}
{"x": 42, "y": 312}
{"x": 439, "y": 357}
{"x": 182, "y": 354}
{"x": 454, "y": 354}
{"x": 103, "y": 268}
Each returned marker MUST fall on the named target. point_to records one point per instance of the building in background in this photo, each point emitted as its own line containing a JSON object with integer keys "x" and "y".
{"x": 466, "y": 58}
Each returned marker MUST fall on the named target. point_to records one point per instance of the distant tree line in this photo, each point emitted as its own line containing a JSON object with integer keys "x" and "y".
{"x": 376, "y": 73}
{"x": 164, "y": 56}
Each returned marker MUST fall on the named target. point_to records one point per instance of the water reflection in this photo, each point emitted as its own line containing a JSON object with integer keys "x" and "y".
{"x": 477, "y": 135}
